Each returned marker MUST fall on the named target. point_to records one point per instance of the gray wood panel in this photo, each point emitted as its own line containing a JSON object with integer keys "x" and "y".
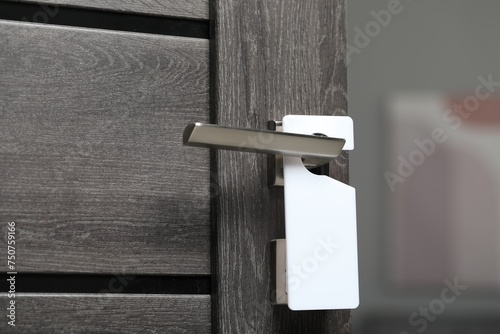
{"x": 196, "y": 9}
{"x": 92, "y": 167}
{"x": 270, "y": 58}
{"x": 51, "y": 314}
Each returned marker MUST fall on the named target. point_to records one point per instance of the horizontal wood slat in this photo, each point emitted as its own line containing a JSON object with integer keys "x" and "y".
{"x": 195, "y": 9}
{"x": 52, "y": 314}
{"x": 92, "y": 167}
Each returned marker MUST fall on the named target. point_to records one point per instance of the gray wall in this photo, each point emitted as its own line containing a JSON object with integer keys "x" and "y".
{"x": 430, "y": 46}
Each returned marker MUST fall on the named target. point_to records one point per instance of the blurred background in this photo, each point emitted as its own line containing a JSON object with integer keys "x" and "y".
{"x": 424, "y": 92}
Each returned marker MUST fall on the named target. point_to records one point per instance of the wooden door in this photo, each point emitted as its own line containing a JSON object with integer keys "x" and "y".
{"x": 118, "y": 228}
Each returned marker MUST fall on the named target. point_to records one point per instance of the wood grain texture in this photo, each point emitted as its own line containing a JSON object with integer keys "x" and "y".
{"x": 52, "y": 314}
{"x": 92, "y": 167}
{"x": 270, "y": 58}
{"x": 195, "y": 9}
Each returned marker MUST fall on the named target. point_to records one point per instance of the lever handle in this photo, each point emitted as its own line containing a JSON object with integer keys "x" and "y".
{"x": 263, "y": 141}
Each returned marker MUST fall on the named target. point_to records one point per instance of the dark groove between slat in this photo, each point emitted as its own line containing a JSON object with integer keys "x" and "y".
{"x": 89, "y": 18}
{"x": 130, "y": 284}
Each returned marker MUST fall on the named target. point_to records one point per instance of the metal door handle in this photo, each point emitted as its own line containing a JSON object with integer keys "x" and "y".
{"x": 313, "y": 147}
